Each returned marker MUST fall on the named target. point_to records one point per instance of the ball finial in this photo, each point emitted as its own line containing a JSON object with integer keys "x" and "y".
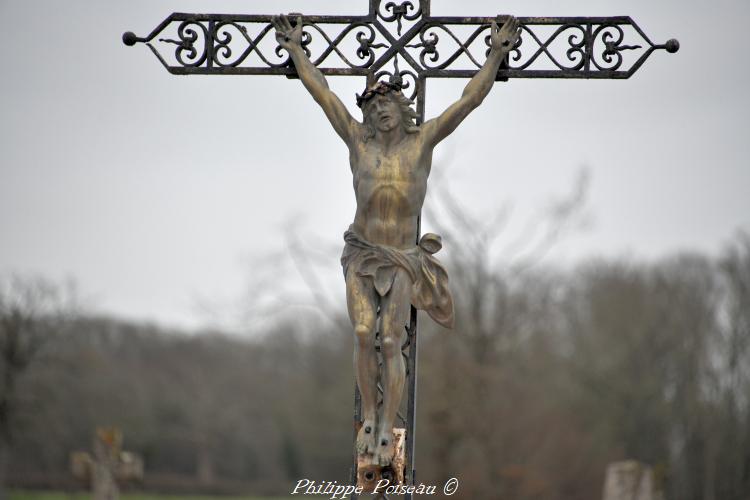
{"x": 129, "y": 38}
{"x": 672, "y": 46}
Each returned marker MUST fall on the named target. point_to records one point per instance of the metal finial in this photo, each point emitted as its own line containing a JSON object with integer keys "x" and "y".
{"x": 129, "y": 38}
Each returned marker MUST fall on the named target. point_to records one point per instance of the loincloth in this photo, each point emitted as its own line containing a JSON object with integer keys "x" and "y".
{"x": 429, "y": 278}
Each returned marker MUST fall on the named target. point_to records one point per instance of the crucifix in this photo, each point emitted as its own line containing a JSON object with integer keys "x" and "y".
{"x": 389, "y": 268}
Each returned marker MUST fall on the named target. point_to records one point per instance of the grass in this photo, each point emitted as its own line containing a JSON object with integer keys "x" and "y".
{"x": 35, "y": 495}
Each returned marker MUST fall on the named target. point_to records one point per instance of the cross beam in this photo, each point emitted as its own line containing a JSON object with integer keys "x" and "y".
{"x": 425, "y": 46}
{"x": 431, "y": 46}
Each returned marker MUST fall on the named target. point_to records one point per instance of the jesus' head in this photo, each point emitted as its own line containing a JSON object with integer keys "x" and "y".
{"x": 385, "y": 107}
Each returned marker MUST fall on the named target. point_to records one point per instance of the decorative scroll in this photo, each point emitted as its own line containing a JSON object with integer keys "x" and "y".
{"x": 186, "y": 52}
{"x": 206, "y": 44}
{"x": 398, "y": 11}
{"x": 429, "y": 38}
{"x": 575, "y": 51}
{"x": 564, "y": 47}
{"x": 581, "y": 48}
{"x": 408, "y": 80}
{"x": 365, "y": 36}
{"x": 611, "y": 35}
{"x": 548, "y": 48}
{"x": 224, "y": 55}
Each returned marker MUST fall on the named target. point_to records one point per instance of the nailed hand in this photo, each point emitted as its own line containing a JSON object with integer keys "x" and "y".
{"x": 287, "y": 35}
{"x": 507, "y": 37}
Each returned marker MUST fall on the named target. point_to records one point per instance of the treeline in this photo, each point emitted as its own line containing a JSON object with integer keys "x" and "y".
{"x": 549, "y": 376}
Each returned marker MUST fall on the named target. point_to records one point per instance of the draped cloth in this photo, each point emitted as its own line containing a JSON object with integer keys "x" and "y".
{"x": 380, "y": 263}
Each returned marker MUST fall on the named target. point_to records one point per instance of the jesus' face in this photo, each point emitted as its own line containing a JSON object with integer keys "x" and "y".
{"x": 383, "y": 113}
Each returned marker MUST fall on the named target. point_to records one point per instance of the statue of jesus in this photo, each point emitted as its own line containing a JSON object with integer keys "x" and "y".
{"x": 385, "y": 270}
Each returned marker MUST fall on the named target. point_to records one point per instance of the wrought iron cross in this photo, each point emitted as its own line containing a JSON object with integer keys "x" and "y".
{"x": 402, "y": 41}
{"x": 374, "y": 44}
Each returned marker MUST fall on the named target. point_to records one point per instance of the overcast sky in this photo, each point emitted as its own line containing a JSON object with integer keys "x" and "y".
{"x": 155, "y": 192}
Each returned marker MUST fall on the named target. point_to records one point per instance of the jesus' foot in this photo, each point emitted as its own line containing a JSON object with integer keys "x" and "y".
{"x": 366, "y": 437}
{"x": 386, "y": 449}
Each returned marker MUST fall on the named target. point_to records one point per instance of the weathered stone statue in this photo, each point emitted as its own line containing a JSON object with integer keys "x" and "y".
{"x": 107, "y": 466}
{"x": 390, "y": 158}
{"x": 630, "y": 480}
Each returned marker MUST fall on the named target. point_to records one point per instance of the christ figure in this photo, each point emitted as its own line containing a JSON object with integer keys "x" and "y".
{"x": 385, "y": 269}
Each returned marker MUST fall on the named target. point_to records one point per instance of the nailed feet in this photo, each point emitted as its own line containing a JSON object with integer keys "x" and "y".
{"x": 386, "y": 448}
{"x": 366, "y": 437}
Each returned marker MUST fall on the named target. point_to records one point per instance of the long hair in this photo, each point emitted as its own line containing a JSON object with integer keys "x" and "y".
{"x": 408, "y": 115}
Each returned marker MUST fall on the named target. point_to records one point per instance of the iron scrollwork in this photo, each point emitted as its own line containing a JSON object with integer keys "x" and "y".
{"x": 611, "y": 55}
{"x": 222, "y": 51}
{"x": 406, "y": 79}
{"x": 188, "y": 36}
{"x": 563, "y": 47}
{"x": 392, "y": 11}
{"x": 575, "y": 50}
{"x": 428, "y": 41}
{"x": 365, "y": 38}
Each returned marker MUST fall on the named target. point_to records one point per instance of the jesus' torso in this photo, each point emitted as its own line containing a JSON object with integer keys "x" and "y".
{"x": 390, "y": 186}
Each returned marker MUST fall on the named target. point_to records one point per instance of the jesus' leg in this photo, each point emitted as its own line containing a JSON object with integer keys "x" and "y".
{"x": 362, "y": 303}
{"x": 394, "y": 312}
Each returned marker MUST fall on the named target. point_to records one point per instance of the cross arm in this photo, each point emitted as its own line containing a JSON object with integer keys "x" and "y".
{"x": 434, "y": 46}
{"x": 549, "y": 47}
{"x": 243, "y": 44}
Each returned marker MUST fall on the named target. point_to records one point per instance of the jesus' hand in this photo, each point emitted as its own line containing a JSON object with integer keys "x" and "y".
{"x": 288, "y": 37}
{"x": 505, "y": 38}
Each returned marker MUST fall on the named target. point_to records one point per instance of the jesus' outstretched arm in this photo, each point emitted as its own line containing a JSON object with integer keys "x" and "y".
{"x": 501, "y": 42}
{"x": 290, "y": 38}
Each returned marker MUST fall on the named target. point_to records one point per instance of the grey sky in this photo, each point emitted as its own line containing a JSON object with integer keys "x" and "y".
{"x": 151, "y": 189}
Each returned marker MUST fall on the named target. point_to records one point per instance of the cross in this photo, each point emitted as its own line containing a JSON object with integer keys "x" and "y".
{"x": 107, "y": 465}
{"x": 402, "y": 41}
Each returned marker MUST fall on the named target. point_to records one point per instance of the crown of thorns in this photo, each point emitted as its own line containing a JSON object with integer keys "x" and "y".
{"x": 380, "y": 88}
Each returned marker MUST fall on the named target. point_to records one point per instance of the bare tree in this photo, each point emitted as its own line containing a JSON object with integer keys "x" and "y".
{"x": 501, "y": 300}
{"x": 31, "y": 312}
{"x": 730, "y": 436}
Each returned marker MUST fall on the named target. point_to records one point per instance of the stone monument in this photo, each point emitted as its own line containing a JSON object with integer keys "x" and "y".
{"x": 630, "y": 480}
{"x": 107, "y": 466}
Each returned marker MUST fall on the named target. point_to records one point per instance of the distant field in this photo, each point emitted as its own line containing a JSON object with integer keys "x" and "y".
{"x": 31, "y": 495}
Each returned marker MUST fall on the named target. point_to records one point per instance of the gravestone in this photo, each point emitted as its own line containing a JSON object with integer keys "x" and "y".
{"x": 630, "y": 480}
{"x": 108, "y": 466}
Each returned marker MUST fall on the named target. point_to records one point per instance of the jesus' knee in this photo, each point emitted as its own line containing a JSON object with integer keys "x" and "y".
{"x": 364, "y": 335}
{"x": 390, "y": 346}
